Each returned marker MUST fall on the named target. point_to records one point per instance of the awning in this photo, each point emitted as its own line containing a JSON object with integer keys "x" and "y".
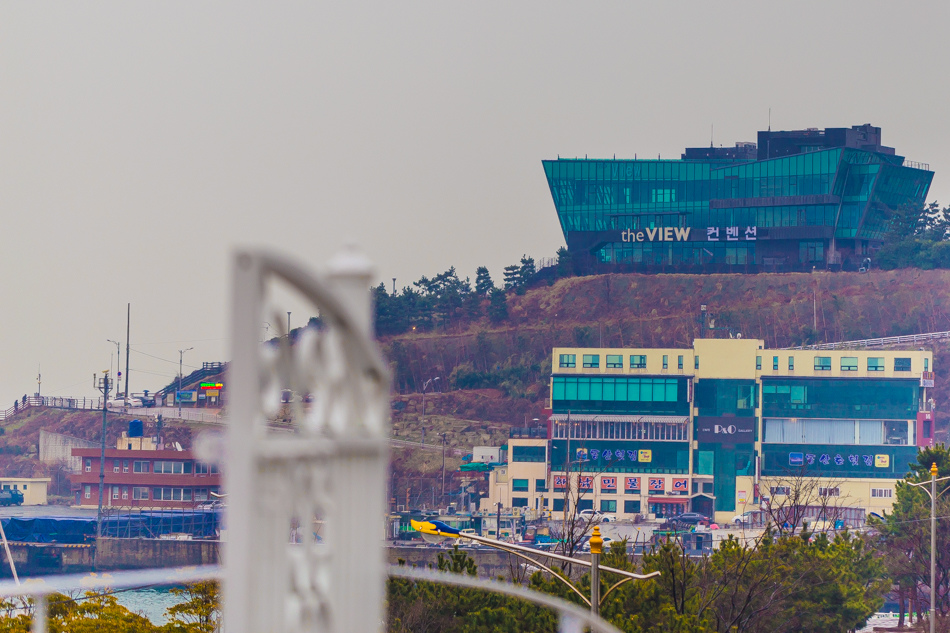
{"x": 655, "y": 419}
{"x": 668, "y": 499}
{"x": 702, "y": 494}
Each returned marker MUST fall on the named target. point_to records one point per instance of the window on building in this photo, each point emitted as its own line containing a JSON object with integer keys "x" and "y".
{"x": 125, "y": 492}
{"x": 882, "y": 493}
{"x": 614, "y": 361}
{"x": 849, "y": 363}
{"x": 125, "y": 465}
{"x": 87, "y": 491}
{"x": 519, "y": 502}
{"x": 666, "y": 361}
{"x": 822, "y": 363}
{"x": 172, "y": 468}
{"x": 901, "y": 364}
{"x": 567, "y": 360}
{"x": 775, "y": 363}
{"x": 696, "y": 362}
{"x": 139, "y": 467}
{"x": 585, "y": 504}
{"x": 758, "y": 363}
{"x": 115, "y": 465}
{"x": 557, "y": 504}
{"x": 608, "y": 505}
{"x": 140, "y": 493}
{"x": 527, "y": 453}
{"x": 591, "y": 361}
{"x": 631, "y": 507}
{"x": 201, "y": 494}
{"x": 791, "y": 363}
{"x": 829, "y": 492}
{"x": 519, "y": 485}
{"x": 679, "y": 362}
{"x": 707, "y": 487}
{"x": 780, "y": 490}
{"x": 540, "y": 485}
{"x": 115, "y": 492}
{"x": 638, "y": 362}
{"x": 926, "y": 364}
{"x": 875, "y": 364}
{"x": 88, "y": 465}
{"x": 928, "y": 429}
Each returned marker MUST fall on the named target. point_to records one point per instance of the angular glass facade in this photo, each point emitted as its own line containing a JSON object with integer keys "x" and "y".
{"x": 724, "y": 209}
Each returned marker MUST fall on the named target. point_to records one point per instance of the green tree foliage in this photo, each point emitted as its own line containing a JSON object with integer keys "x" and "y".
{"x": 200, "y": 612}
{"x": 916, "y": 238}
{"x": 905, "y": 533}
{"x": 498, "y": 306}
{"x": 483, "y": 283}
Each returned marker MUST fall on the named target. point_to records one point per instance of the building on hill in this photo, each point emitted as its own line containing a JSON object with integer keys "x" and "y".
{"x": 143, "y": 474}
{"x": 722, "y": 428}
{"x": 792, "y": 201}
{"x": 34, "y": 489}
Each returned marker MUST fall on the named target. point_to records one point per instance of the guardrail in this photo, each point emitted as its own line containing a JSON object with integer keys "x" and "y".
{"x": 878, "y": 342}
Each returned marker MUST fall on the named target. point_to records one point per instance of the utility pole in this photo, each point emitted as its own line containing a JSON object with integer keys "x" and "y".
{"x": 443, "y": 468}
{"x": 39, "y": 383}
{"x": 181, "y": 356}
{"x": 118, "y": 361}
{"x": 128, "y": 323}
{"x": 104, "y": 386}
{"x": 933, "y": 538}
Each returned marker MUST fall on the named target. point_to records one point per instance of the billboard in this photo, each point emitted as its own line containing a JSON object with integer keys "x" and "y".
{"x": 618, "y": 456}
{"x": 846, "y": 461}
{"x": 720, "y": 430}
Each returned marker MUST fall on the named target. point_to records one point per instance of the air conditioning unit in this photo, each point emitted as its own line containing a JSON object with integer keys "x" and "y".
{"x": 516, "y": 512}
{"x": 400, "y": 508}
{"x": 441, "y": 511}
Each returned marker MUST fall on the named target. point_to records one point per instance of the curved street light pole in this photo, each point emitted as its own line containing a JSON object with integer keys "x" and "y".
{"x": 933, "y": 538}
{"x": 423, "y": 419}
{"x": 181, "y": 357}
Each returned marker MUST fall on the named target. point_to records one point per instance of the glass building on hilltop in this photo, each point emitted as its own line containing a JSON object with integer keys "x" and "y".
{"x": 792, "y": 201}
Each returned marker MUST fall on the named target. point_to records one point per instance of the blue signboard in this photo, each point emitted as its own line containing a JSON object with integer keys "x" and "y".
{"x": 186, "y": 396}
{"x": 890, "y": 462}
{"x": 628, "y": 456}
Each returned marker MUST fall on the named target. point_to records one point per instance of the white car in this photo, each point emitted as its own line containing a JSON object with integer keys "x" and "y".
{"x": 589, "y": 515}
{"x": 124, "y": 403}
{"x": 608, "y": 518}
{"x": 742, "y": 519}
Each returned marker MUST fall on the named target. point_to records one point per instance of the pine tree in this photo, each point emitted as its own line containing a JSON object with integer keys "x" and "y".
{"x": 498, "y": 306}
{"x": 483, "y": 283}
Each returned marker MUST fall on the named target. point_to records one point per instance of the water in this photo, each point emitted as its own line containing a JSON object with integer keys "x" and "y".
{"x": 150, "y": 602}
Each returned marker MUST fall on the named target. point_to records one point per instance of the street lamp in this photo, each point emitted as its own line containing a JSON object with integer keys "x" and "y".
{"x": 933, "y": 539}
{"x": 181, "y": 356}
{"x": 118, "y": 355}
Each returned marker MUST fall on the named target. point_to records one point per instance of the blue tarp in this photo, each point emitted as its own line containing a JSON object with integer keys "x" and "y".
{"x": 51, "y": 529}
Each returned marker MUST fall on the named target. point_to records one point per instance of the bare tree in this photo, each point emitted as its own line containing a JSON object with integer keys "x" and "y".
{"x": 798, "y": 501}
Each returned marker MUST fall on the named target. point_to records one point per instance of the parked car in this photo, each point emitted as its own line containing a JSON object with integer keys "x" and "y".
{"x": 589, "y": 515}
{"x": 688, "y": 518}
{"x": 11, "y": 498}
{"x": 607, "y": 541}
{"x": 608, "y": 518}
{"x": 464, "y": 540}
{"x": 742, "y": 519}
{"x": 123, "y": 403}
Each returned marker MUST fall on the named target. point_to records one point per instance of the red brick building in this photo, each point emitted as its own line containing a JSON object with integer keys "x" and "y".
{"x": 144, "y": 479}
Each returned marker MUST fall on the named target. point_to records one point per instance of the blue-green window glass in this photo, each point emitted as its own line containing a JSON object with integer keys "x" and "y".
{"x": 591, "y": 360}
{"x": 614, "y": 361}
{"x": 791, "y": 363}
{"x": 638, "y": 362}
{"x": 875, "y": 364}
{"x": 557, "y": 504}
{"x": 840, "y": 398}
{"x": 528, "y": 454}
{"x": 679, "y": 362}
{"x": 926, "y": 364}
{"x": 901, "y": 364}
{"x": 519, "y": 502}
{"x": 726, "y": 397}
{"x": 567, "y": 360}
{"x": 696, "y": 362}
{"x": 585, "y": 504}
{"x": 822, "y": 363}
{"x": 540, "y": 485}
{"x": 758, "y": 363}
{"x": 775, "y": 363}
{"x": 631, "y": 507}
{"x": 666, "y": 361}
{"x": 622, "y": 394}
{"x": 519, "y": 485}
{"x": 849, "y": 363}
{"x": 608, "y": 505}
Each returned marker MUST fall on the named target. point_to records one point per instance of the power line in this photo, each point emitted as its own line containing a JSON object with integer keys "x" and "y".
{"x": 162, "y": 359}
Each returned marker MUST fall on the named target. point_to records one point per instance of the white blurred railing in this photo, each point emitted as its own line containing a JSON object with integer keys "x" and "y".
{"x": 909, "y": 339}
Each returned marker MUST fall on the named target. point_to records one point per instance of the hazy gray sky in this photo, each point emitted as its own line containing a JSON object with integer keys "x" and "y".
{"x": 141, "y": 142}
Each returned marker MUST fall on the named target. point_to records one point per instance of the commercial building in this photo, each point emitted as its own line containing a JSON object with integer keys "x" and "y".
{"x": 722, "y": 428}
{"x": 141, "y": 473}
{"x": 792, "y": 201}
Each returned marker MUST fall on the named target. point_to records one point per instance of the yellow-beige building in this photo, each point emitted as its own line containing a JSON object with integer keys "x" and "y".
{"x": 722, "y": 428}
{"x": 34, "y": 489}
